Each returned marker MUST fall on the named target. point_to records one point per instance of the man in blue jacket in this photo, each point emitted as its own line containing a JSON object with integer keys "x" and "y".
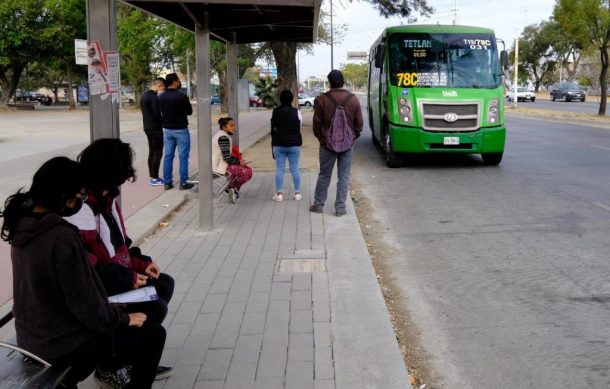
{"x": 175, "y": 107}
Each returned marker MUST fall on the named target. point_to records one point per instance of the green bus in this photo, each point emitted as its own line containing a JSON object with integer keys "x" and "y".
{"x": 437, "y": 89}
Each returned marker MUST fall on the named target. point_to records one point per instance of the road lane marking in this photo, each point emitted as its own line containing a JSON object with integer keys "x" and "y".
{"x": 601, "y": 147}
{"x": 604, "y": 206}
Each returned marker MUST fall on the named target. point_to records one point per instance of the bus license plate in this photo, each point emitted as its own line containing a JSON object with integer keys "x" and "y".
{"x": 451, "y": 140}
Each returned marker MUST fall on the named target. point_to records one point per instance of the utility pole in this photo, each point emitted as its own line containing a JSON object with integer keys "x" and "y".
{"x": 455, "y": 12}
{"x": 332, "y": 60}
{"x": 516, "y": 71}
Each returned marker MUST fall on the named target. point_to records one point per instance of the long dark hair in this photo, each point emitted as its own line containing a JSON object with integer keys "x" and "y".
{"x": 54, "y": 183}
{"x": 107, "y": 163}
{"x": 222, "y": 122}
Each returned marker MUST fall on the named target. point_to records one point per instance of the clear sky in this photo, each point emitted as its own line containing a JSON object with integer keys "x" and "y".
{"x": 364, "y": 24}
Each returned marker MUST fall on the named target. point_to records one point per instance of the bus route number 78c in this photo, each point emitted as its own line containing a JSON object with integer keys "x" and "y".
{"x": 407, "y": 79}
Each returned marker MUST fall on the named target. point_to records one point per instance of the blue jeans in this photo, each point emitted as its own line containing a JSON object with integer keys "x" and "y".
{"x": 327, "y": 164}
{"x": 171, "y": 139}
{"x": 293, "y": 154}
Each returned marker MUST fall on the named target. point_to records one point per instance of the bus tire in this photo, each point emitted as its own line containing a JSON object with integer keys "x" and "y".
{"x": 492, "y": 159}
{"x": 391, "y": 158}
{"x": 375, "y": 140}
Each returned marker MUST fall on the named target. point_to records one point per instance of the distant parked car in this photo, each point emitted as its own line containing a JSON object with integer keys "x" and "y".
{"x": 568, "y": 91}
{"x": 215, "y": 99}
{"x": 256, "y": 101}
{"x": 523, "y": 94}
{"x": 306, "y": 100}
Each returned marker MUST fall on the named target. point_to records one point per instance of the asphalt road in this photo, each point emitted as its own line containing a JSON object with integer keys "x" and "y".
{"x": 587, "y": 107}
{"x": 504, "y": 270}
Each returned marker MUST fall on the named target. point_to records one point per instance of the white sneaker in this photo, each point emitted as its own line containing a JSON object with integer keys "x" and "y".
{"x": 278, "y": 197}
{"x": 298, "y": 196}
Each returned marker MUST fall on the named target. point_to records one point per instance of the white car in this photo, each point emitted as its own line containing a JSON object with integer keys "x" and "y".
{"x": 523, "y": 94}
{"x": 306, "y": 100}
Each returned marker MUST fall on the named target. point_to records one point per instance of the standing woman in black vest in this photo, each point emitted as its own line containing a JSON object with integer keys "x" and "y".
{"x": 286, "y": 141}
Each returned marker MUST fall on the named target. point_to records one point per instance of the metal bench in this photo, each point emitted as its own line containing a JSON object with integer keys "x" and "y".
{"x": 22, "y": 369}
{"x": 221, "y": 182}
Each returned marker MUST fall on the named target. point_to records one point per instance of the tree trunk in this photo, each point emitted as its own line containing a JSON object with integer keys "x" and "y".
{"x": 71, "y": 101}
{"x": 602, "y": 81}
{"x": 9, "y": 85}
{"x": 285, "y": 54}
{"x": 222, "y": 89}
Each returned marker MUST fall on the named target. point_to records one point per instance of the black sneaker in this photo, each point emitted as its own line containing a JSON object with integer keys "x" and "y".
{"x": 169, "y": 186}
{"x": 186, "y": 186}
{"x": 340, "y": 212}
{"x": 112, "y": 379}
{"x": 316, "y": 209}
{"x": 164, "y": 372}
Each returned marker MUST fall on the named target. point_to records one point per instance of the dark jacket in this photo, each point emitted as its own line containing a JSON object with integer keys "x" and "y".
{"x": 324, "y": 109}
{"x": 175, "y": 107}
{"x": 59, "y": 302}
{"x": 286, "y": 127}
{"x": 151, "y": 114}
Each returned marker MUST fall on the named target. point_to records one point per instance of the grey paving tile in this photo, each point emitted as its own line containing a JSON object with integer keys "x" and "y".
{"x": 221, "y": 285}
{"x": 241, "y": 375}
{"x": 184, "y": 376}
{"x": 257, "y": 302}
{"x": 301, "y": 281}
{"x": 300, "y": 300}
{"x": 324, "y": 367}
{"x": 278, "y": 277}
{"x": 301, "y": 322}
{"x": 197, "y": 292}
{"x": 224, "y": 338}
{"x": 272, "y": 362}
{"x": 183, "y": 283}
{"x": 248, "y": 348}
{"x": 187, "y": 313}
{"x": 205, "y": 325}
{"x": 324, "y": 384}
{"x": 253, "y": 323}
{"x": 210, "y": 384}
{"x": 175, "y": 302}
{"x": 193, "y": 351}
{"x": 269, "y": 383}
{"x": 322, "y": 334}
{"x": 299, "y": 375}
{"x": 177, "y": 333}
{"x": 213, "y": 303}
{"x": 280, "y": 291}
{"x": 321, "y": 297}
{"x": 261, "y": 284}
{"x": 215, "y": 366}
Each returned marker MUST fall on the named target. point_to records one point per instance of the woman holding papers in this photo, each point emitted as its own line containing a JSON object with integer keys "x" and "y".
{"x": 61, "y": 310}
{"x": 107, "y": 164}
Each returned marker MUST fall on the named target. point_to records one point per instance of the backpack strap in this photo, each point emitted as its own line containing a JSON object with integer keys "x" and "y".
{"x": 332, "y": 99}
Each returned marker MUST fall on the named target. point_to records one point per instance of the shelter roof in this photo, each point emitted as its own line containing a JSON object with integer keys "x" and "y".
{"x": 251, "y": 20}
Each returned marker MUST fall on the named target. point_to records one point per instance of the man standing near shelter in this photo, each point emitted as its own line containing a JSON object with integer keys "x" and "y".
{"x": 153, "y": 127}
{"x": 175, "y": 107}
{"x": 329, "y": 109}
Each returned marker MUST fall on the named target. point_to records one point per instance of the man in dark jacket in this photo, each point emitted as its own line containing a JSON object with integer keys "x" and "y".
{"x": 153, "y": 127}
{"x": 324, "y": 109}
{"x": 175, "y": 107}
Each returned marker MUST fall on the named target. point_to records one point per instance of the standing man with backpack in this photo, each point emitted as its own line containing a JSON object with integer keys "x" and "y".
{"x": 337, "y": 122}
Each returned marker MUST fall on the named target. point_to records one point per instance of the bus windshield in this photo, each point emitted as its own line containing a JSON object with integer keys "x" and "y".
{"x": 425, "y": 60}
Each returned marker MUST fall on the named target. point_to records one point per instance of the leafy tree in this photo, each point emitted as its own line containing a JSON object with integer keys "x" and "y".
{"x": 267, "y": 90}
{"x": 588, "y": 23}
{"x": 26, "y": 32}
{"x": 534, "y": 52}
{"x": 285, "y": 52}
{"x": 355, "y": 74}
{"x": 564, "y": 49}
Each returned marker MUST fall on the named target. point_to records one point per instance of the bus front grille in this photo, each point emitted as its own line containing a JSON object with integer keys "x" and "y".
{"x": 450, "y": 117}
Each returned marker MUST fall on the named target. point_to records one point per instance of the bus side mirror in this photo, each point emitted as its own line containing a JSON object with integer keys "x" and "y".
{"x": 379, "y": 54}
{"x": 504, "y": 59}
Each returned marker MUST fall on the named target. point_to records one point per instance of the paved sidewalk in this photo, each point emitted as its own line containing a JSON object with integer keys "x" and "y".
{"x": 274, "y": 297}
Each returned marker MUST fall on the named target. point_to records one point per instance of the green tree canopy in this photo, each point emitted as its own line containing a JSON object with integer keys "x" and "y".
{"x": 587, "y": 22}
{"x": 355, "y": 74}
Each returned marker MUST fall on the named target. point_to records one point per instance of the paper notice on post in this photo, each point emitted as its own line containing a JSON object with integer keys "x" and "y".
{"x": 142, "y": 295}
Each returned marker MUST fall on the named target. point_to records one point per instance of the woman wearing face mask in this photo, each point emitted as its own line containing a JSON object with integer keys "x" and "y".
{"x": 223, "y": 161}
{"x": 60, "y": 307}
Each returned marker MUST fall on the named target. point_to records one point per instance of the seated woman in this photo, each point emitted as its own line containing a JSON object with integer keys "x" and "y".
{"x": 61, "y": 309}
{"x": 107, "y": 164}
{"x": 223, "y": 161}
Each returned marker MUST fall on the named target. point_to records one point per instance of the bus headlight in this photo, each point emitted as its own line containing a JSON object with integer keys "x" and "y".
{"x": 493, "y": 113}
{"x": 404, "y": 107}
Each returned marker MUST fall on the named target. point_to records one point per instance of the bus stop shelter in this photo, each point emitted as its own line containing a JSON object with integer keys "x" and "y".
{"x": 231, "y": 21}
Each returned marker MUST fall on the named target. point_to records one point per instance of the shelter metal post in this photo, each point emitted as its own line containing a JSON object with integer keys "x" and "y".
{"x": 204, "y": 124}
{"x": 102, "y": 26}
{"x": 232, "y": 76}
